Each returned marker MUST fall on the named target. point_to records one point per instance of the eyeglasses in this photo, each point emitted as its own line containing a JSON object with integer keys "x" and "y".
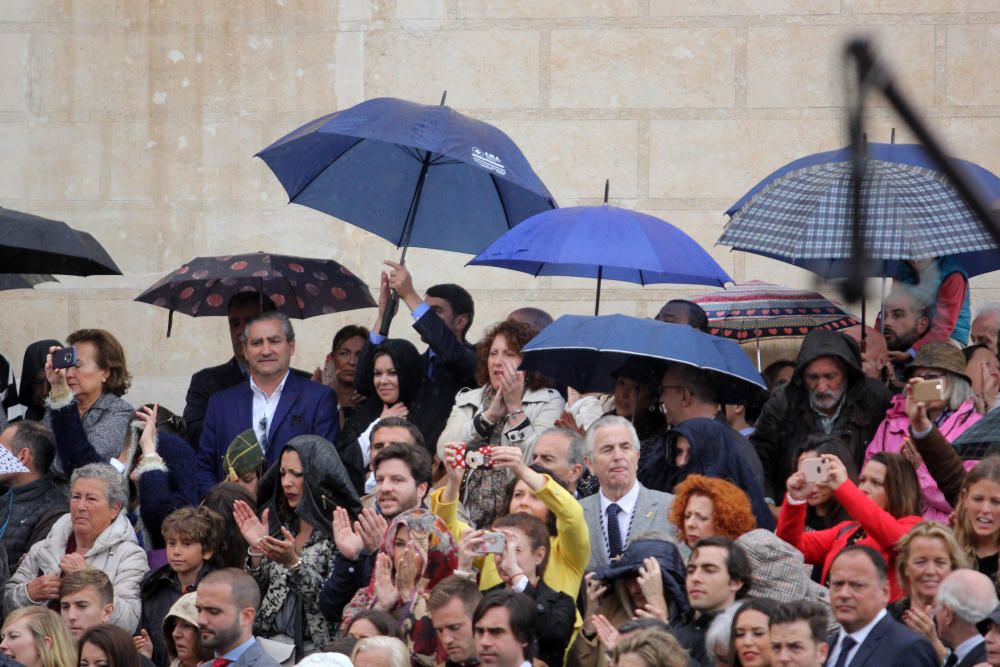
{"x": 663, "y": 387}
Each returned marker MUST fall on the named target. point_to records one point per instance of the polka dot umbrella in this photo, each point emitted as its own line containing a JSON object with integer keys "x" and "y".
{"x": 300, "y": 287}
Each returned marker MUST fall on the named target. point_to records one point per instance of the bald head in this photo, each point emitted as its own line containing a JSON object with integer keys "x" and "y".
{"x": 970, "y": 594}
{"x": 875, "y": 352}
{"x": 536, "y": 318}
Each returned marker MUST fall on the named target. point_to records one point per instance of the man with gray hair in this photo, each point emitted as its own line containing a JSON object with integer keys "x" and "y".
{"x": 986, "y": 325}
{"x": 561, "y": 451}
{"x": 623, "y": 507}
{"x": 964, "y": 599}
{"x": 277, "y": 404}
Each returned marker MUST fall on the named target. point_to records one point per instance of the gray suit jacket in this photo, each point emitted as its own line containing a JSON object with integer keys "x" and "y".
{"x": 254, "y": 656}
{"x": 651, "y": 510}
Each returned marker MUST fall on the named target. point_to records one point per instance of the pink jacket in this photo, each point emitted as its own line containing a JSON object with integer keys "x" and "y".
{"x": 895, "y": 428}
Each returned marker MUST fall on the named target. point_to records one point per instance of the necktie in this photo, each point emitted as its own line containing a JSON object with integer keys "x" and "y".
{"x": 952, "y": 660}
{"x": 263, "y": 439}
{"x": 615, "y": 534}
{"x": 221, "y": 662}
{"x": 845, "y": 647}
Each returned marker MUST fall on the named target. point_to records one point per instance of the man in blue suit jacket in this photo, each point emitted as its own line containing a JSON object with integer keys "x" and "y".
{"x": 869, "y": 637}
{"x": 276, "y": 403}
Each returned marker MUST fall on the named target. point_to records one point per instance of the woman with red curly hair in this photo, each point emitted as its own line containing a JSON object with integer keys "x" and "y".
{"x": 708, "y": 506}
{"x": 510, "y": 408}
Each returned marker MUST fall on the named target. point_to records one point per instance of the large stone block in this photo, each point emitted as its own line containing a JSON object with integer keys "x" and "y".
{"x": 574, "y": 157}
{"x": 65, "y": 161}
{"x": 722, "y": 159}
{"x": 922, "y": 6}
{"x": 643, "y": 68}
{"x": 971, "y": 60}
{"x": 14, "y": 48}
{"x": 516, "y": 9}
{"x": 741, "y": 7}
{"x": 418, "y": 66}
{"x": 802, "y": 66}
{"x": 13, "y": 178}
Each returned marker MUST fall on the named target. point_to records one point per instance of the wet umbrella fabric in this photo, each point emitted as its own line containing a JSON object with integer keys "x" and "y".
{"x": 603, "y": 242}
{"x": 584, "y": 351}
{"x": 414, "y": 174}
{"x": 299, "y": 286}
{"x": 11, "y": 281}
{"x": 801, "y": 213}
{"x": 760, "y": 310}
{"x": 33, "y": 244}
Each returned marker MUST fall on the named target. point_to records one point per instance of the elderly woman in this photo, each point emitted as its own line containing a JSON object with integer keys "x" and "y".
{"x": 85, "y": 403}
{"x": 952, "y": 415}
{"x": 95, "y": 533}
{"x": 291, "y": 547}
{"x": 509, "y": 408}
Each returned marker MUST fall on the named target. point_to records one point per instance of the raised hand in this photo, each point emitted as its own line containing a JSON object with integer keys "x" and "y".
{"x": 371, "y": 526}
{"x": 396, "y": 410}
{"x": 469, "y": 548}
{"x": 147, "y": 441}
{"x": 254, "y": 530}
{"x": 650, "y": 581}
{"x": 607, "y": 634}
{"x": 349, "y": 543}
{"x": 281, "y": 551}
{"x": 55, "y": 376}
{"x": 44, "y": 587}
{"x": 512, "y": 387}
{"x": 386, "y": 595}
{"x": 143, "y": 644}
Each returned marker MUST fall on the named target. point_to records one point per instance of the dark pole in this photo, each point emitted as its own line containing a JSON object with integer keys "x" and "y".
{"x": 600, "y": 269}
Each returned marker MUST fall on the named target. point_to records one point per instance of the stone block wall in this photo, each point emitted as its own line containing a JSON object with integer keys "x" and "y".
{"x": 137, "y": 120}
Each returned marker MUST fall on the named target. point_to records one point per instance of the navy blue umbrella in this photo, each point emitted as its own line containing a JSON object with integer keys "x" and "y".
{"x": 801, "y": 214}
{"x": 583, "y": 352}
{"x": 414, "y": 174}
{"x": 603, "y": 242}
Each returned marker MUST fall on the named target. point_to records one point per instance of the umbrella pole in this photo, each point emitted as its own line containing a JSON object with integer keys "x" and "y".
{"x": 597, "y": 302}
{"x": 881, "y": 309}
{"x": 411, "y": 216}
{"x": 758, "y": 353}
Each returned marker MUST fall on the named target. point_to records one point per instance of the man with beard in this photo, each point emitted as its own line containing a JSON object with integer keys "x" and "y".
{"x": 906, "y": 320}
{"x": 402, "y": 478}
{"x": 829, "y": 393}
{"x": 227, "y": 604}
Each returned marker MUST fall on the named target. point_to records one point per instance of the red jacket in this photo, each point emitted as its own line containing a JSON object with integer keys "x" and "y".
{"x": 882, "y": 531}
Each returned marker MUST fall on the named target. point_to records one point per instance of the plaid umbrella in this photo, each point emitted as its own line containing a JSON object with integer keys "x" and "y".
{"x": 801, "y": 213}
{"x": 762, "y": 310}
{"x": 300, "y": 287}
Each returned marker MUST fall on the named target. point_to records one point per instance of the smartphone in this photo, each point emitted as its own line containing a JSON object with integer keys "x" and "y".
{"x": 814, "y": 470}
{"x": 493, "y": 542}
{"x": 64, "y": 357}
{"x": 929, "y": 390}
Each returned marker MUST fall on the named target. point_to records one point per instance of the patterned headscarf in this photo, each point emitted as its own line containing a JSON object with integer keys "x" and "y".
{"x": 435, "y": 546}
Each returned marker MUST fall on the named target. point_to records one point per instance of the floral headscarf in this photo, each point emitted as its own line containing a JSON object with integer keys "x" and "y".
{"x": 434, "y": 544}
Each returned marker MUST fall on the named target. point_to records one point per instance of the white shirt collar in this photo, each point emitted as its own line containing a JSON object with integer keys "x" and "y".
{"x": 861, "y": 635}
{"x": 626, "y": 502}
{"x": 277, "y": 391}
{"x": 966, "y": 647}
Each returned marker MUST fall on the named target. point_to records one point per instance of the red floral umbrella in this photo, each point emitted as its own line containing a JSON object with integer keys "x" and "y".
{"x": 300, "y": 287}
{"x": 760, "y": 310}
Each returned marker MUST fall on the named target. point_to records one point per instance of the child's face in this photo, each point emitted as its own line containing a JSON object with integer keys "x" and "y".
{"x": 185, "y": 555}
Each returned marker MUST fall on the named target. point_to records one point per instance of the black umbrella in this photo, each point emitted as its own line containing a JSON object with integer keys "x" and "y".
{"x": 9, "y": 281}
{"x": 32, "y": 244}
{"x": 300, "y": 287}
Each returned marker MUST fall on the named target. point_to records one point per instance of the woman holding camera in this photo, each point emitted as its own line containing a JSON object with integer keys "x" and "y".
{"x": 953, "y": 413}
{"x": 510, "y": 408}
{"x": 85, "y": 404}
{"x": 882, "y": 508}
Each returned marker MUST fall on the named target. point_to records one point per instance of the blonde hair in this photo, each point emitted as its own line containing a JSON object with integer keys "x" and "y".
{"x": 928, "y": 530}
{"x": 989, "y": 470}
{"x": 44, "y": 624}
{"x": 656, "y": 647}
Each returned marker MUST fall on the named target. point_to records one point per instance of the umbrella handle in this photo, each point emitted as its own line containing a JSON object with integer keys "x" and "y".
{"x": 390, "y": 312}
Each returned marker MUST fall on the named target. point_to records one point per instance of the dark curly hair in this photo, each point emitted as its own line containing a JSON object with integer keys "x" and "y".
{"x": 731, "y": 509}
{"x": 518, "y": 335}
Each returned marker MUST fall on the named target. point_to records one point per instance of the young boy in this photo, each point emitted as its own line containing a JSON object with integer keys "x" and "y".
{"x": 192, "y": 535}
{"x": 86, "y": 599}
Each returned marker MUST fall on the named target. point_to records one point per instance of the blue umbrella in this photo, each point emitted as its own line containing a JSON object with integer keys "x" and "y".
{"x": 414, "y": 174}
{"x": 801, "y": 214}
{"x": 583, "y": 352}
{"x": 603, "y": 242}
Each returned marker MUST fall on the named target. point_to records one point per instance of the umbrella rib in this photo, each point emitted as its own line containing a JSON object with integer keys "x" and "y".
{"x": 412, "y": 152}
{"x": 503, "y": 204}
{"x": 320, "y": 171}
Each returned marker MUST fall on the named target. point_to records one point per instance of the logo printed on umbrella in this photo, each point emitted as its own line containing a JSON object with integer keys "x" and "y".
{"x": 488, "y": 161}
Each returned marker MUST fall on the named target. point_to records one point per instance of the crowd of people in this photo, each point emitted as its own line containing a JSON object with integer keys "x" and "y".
{"x": 442, "y": 507}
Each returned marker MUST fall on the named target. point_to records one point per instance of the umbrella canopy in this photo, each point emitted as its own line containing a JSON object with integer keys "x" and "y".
{"x": 11, "y": 281}
{"x": 583, "y": 352}
{"x": 603, "y": 242}
{"x": 981, "y": 439}
{"x": 760, "y": 310}
{"x": 414, "y": 174}
{"x": 801, "y": 213}
{"x": 299, "y": 286}
{"x": 32, "y": 244}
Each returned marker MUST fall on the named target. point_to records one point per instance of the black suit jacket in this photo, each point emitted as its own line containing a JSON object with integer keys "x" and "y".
{"x": 209, "y": 381}
{"x": 975, "y": 656}
{"x": 454, "y": 368}
{"x": 556, "y": 613}
{"x": 891, "y": 644}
